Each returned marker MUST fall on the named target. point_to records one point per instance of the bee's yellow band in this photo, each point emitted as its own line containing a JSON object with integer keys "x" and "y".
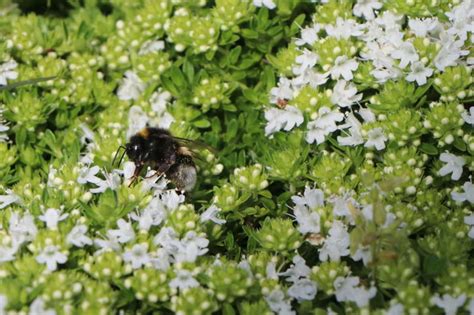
{"x": 144, "y": 133}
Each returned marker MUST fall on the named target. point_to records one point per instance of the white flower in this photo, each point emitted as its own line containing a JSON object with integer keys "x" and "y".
{"x": 151, "y": 46}
{"x": 336, "y": 244}
{"x": 419, "y": 73}
{"x": 462, "y": 17}
{"x": 163, "y": 119}
{"x": 297, "y": 270}
{"x": 184, "y": 280}
{"x": 124, "y": 233}
{"x": 450, "y": 52}
{"x": 7, "y": 72}
{"x": 311, "y": 77}
{"x": 283, "y": 91}
{"x": 389, "y": 20}
{"x": 52, "y": 217}
{"x": 137, "y": 256}
{"x": 8, "y": 199}
{"x": 128, "y": 170}
{"x": 87, "y": 133}
{"x": 190, "y": 247}
{"x": 449, "y": 303}
{"x": 364, "y": 254}
{"x": 159, "y": 100}
{"x": 7, "y": 254}
{"x": 22, "y": 229}
{"x": 308, "y": 221}
{"x": 3, "y": 304}
{"x": 345, "y": 287}
{"x": 309, "y": 35}
{"x": 88, "y": 175}
{"x": 160, "y": 259}
{"x": 344, "y": 29}
{"x": 3, "y": 128}
{"x": 270, "y": 271}
{"x": 152, "y": 215}
{"x": 77, "y": 236}
{"x": 453, "y": 165}
{"x": 421, "y": 27}
{"x": 396, "y": 309}
{"x": 406, "y": 53}
{"x": 366, "y": 114}
{"x": 111, "y": 181}
{"x": 343, "y": 66}
{"x": 376, "y": 138}
{"x": 468, "y": 193}
{"x": 384, "y": 74}
{"x": 361, "y": 296}
{"x": 137, "y": 120}
{"x": 167, "y": 237}
{"x": 38, "y": 307}
{"x": 303, "y": 290}
{"x": 278, "y": 303}
{"x": 266, "y": 3}
{"x": 51, "y": 256}
{"x": 343, "y": 206}
{"x": 469, "y": 220}
{"x": 365, "y": 8}
{"x": 322, "y": 126}
{"x": 355, "y": 131}
{"x": 107, "y": 244}
{"x": 306, "y": 61}
{"x": 131, "y": 87}
{"x": 469, "y": 117}
{"x": 313, "y": 198}
{"x": 345, "y": 94}
{"x": 285, "y": 119}
{"x": 171, "y": 199}
{"x": 211, "y": 215}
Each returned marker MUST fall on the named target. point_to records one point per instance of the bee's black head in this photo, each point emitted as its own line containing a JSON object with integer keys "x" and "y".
{"x": 135, "y": 149}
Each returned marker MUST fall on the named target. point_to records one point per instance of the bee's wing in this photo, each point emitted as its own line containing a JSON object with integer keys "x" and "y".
{"x": 26, "y": 82}
{"x": 195, "y": 145}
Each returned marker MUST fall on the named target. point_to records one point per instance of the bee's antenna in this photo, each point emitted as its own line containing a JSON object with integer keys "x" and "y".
{"x": 116, "y": 153}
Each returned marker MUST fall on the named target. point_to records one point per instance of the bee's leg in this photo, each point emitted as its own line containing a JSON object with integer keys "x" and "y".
{"x": 138, "y": 169}
{"x": 156, "y": 173}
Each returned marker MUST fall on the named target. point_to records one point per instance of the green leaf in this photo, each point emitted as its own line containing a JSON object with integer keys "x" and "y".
{"x": 234, "y": 55}
{"x": 188, "y": 70}
{"x": 231, "y": 132}
{"x": 169, "y": 86}
{"x": 249, "y": 34}
{"x": 268, "y": 77}
{"x": 268, "y": 203}
{"x": 434, "y": 266}
{"x": 265, "y": 193}
{"x": 459, "y": 144}
{"x": 20, "y": 136}
{"x": 229, "y": 108}
{"x": 296, "y": 25}
{"x": 229, "y": 241}
{"x": 228, "y": 309}
{"x": 429, "y": 149}
{"x": 177, "y": 77}
{"x": 251, "y": 95}
{"x": 203, "y": 123}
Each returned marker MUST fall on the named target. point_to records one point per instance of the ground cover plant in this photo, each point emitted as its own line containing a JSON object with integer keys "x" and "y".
{"x": 339, "y": 183}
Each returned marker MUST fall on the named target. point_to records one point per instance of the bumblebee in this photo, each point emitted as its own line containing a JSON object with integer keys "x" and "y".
{"x": 165, "y": 154}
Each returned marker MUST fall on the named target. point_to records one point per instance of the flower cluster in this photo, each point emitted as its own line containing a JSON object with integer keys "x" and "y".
{"x": 332, "y": 141}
